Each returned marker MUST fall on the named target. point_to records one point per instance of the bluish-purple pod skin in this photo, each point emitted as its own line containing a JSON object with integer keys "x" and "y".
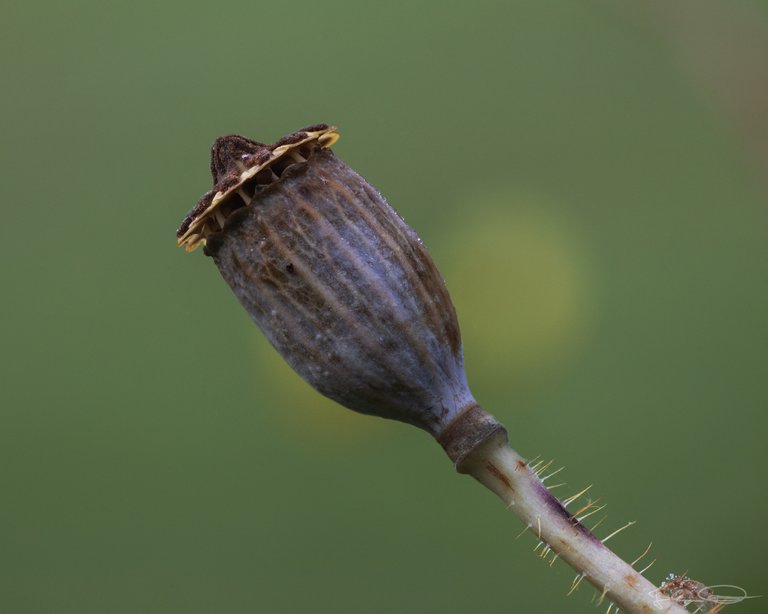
{"x": 341, "y": 286}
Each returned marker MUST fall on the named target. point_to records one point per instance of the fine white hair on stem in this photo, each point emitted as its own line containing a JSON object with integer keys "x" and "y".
{"x": 646, "y": 551}
{"x": 619, "y": 530}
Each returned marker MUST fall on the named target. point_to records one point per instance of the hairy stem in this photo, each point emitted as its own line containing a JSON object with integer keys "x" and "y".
{"x": 498, "y": 467}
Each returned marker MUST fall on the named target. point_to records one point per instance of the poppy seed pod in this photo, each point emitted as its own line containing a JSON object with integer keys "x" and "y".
{"x": 341, "y": 286}
{"x": 346, "y": 292}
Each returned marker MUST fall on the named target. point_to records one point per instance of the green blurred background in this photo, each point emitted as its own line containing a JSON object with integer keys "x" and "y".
{"x": 590, "y": 178}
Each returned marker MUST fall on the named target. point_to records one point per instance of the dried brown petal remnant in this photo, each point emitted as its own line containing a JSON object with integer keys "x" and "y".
{"x": 341, "y": 286}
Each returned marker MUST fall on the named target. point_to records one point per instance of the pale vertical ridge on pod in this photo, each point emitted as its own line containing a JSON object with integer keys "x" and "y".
{"x": 402, "y": 241}
{"x": 383, "y": 234}
{"x": 388, "y": 297}
{"x": 388, "y": 231}
{"x": 396, "y": 235}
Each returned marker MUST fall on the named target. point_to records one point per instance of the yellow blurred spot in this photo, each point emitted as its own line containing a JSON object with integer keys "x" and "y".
{"x": 519, "y": 284}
